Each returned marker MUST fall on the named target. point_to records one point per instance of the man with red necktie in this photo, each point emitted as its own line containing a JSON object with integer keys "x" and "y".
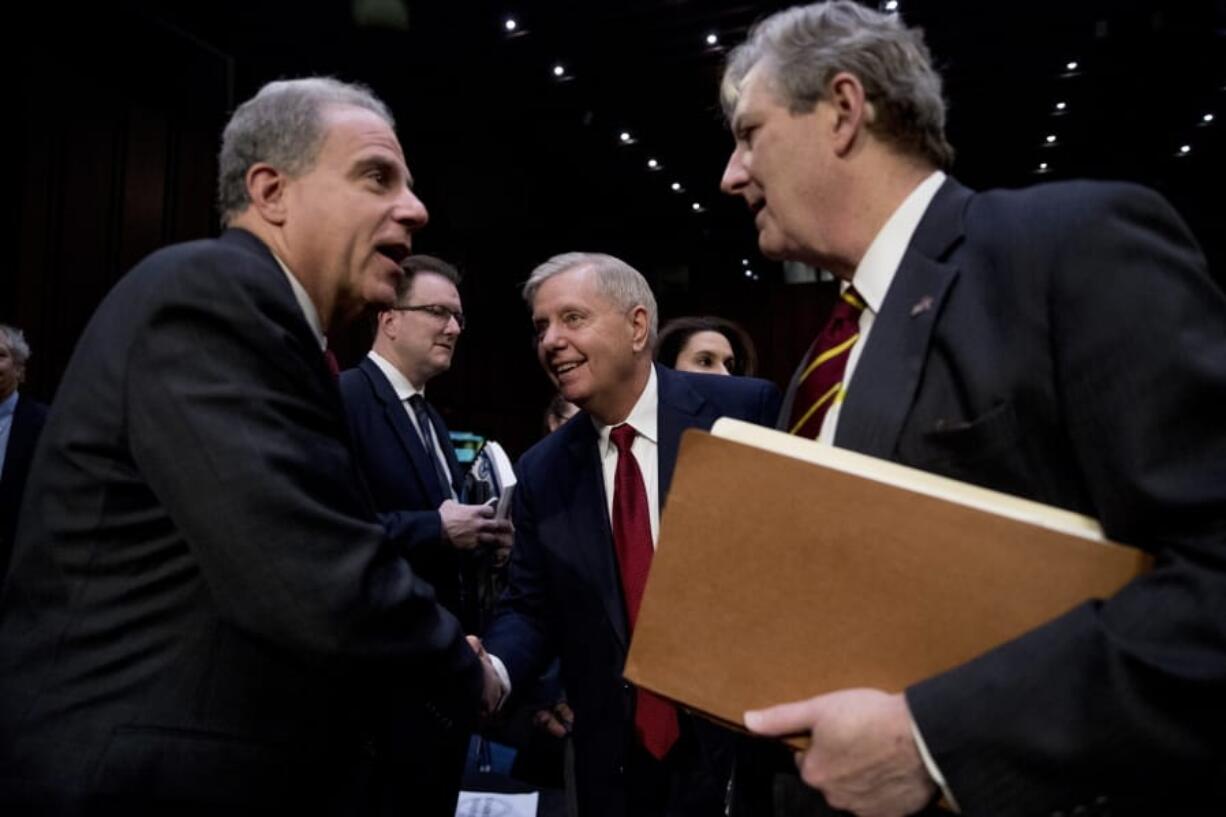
{"x": 586, "y": 513}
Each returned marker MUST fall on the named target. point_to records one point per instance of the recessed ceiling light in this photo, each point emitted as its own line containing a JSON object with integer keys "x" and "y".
{"x": 653, "y": 164}
{"x": 712, "y": 39}
{"x": 1051, "y": 139}
{"x": 559, "y": 70}
{"x": 676, "y": 186}
{"x": 696, "y": 207}
{"x": 1072, "y": 65}
{"x": 510, "y": 24}
{"x": 1185, "y": 149}
{"x": 1061, "y": 106}
{"x": 1207, "y": 118}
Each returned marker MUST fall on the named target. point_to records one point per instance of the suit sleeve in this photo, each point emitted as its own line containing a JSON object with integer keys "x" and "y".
{"x": 521, "y": 634}
{"x": 1117, "y": 703}
{"x": 242, "y": 440}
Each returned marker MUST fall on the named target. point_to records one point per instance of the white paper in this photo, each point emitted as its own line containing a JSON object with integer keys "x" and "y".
{"x": 492, "y": 804}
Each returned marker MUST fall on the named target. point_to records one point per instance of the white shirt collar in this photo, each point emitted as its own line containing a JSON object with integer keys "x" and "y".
{"x": 876, "y": 271}
{"x": 304, "y": 303}
{"x": 400, "y": 384}
{"x": 643, "y": 417}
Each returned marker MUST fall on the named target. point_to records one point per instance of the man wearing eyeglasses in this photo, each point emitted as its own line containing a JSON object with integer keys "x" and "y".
{"x": 404, "y": 451}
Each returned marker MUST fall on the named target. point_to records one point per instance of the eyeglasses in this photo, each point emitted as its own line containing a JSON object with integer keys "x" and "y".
{"x": 439, "y": 312}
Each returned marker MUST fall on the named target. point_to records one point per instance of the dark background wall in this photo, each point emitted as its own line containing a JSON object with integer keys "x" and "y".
{"x": 118, "y": 110}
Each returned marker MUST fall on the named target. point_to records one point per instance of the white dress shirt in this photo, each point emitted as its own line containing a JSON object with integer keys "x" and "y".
{"x": 874, "y": 275}
{"x": 309, "y": 310}
{"x": 645, "y": 448}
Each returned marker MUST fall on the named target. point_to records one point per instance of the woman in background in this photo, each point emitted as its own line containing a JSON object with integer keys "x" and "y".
{"x": 707, "y": 345}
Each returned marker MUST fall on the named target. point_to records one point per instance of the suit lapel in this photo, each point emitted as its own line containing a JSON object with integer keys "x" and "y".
{"x": 883, "y": 386}
{"x": 679, "y": 407}
{"x": 398, "y": 419}
{"x": 589, "y": 522}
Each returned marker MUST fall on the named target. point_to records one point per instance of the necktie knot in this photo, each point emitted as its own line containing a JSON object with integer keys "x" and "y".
{"x": 623, "y": 437}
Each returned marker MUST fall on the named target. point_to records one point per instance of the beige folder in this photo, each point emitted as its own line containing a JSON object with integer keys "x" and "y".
{"x": 787, "y": 568}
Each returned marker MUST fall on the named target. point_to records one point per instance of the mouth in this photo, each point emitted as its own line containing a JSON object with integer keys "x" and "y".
{"x": 562, "y": 369}
{"x": 395, "y": 251}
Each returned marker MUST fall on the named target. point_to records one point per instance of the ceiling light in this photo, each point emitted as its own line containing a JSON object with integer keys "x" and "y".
{"x": 625, "y": 137}
{"x": 1207, "y": 118}
{"x": 712, "y": 39}
{"x": 1061, "y": 106}
{"x": 748, "y": 273}
{"x": 559, "y": 70}
{"x": 1184, "y": 150}
{"x": 744, "y": 262}
{"x": 653, "y": 164}
{"x": 891, "y": 5}
{"x": 1051, "y": 139}
{"x": 676, "y": 186}
{"x": 1072, "y": 66}
{"x": 510, "y": 24}
{"x": 696, "y": 207}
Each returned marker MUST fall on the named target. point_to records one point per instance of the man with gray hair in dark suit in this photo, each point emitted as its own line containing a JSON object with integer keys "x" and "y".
{"x": 1062, "y": 343}
{"x": 204, "y": 613}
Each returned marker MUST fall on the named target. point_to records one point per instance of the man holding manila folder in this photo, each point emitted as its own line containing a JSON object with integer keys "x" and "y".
{"x": 1062, "y": 343}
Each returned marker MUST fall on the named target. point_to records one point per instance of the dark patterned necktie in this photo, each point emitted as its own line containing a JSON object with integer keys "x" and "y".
{"x": 426, "y": 429}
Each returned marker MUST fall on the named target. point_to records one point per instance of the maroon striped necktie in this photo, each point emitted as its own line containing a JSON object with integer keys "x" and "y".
{"x": 655, "y": 719}
{"x": 821, "y": 383}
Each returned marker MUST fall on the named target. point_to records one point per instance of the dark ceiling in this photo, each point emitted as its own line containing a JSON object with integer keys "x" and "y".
{"x": 516, "y": 164}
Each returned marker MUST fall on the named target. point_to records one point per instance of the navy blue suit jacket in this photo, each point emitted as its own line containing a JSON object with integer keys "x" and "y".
{"x": 1065, "y": 343}
{"x": 28, "y": 419}
{"x": 564, "y": 595}
{"x": 403, "y": 481}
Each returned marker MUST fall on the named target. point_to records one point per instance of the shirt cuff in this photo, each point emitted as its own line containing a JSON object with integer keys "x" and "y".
{"x": 500, "y": 669}
{"x": 933, "y": 771}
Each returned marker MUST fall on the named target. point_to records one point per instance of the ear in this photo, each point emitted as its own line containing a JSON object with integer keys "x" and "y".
{"x": 639, "y": 325}
{"x": 852, "y": 111}
{"x": 384, "y": 326}
{"x": 266, "y": 186}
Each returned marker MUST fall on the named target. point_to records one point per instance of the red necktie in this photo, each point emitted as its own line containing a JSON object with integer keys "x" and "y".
{"x": 333, "y": 366}
{"x": 655, "y": 719}
{"x": 821, "y": 383}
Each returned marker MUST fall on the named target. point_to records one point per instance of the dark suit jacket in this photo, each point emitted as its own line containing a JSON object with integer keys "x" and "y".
{"x": 403, "y": 480}
{"x": 1074, "y": 352}
{"x": 564, "y": 596}
{"x": 203, "y": 610}
{"x": 28, "y": 419}
{"x": 427, "y": 749}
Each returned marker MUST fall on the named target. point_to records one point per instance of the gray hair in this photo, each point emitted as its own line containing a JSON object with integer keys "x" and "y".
{"x": 803, "y": 47}
{"x": 282, "y": 125}
{"x": 15, "y": 339}
{"x": 615, "y": 279}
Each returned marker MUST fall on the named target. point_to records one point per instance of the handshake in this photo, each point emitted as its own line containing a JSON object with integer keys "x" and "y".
{"x": 492, "y": 690}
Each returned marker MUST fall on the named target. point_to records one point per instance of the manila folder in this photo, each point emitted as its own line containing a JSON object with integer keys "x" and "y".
{"x": 779, "y": 576}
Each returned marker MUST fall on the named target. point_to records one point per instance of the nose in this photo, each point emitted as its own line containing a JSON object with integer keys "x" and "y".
{"x": 410, "y": 212}
{"x": 735, "y": 176}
